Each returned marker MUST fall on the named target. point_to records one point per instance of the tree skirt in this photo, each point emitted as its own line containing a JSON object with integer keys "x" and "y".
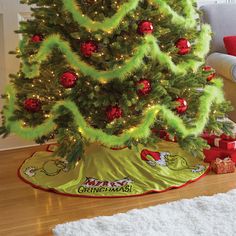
{"x": 105, "y": 172}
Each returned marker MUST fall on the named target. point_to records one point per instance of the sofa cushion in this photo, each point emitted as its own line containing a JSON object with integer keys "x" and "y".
{"x": 225, "y": 65}
{"x": 230, "y": 45}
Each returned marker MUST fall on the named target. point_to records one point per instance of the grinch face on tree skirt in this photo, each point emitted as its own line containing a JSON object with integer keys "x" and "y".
{"x": 111, "y": 72}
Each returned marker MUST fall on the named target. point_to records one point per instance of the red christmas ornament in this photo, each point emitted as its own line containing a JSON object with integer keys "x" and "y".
{"x": 144, "y": 87}
{"x": 32, "y": 105}
{"x": 209, "y": 69}
{"x": 37, "y": 38}
{"x": 113, "y": 112}
{"x": 184, "y": 46}
{"x": 68, "y": 79}
{"x": 88, "y": 48}
{"x": 145, "y": 27}
{"x": 183, "y": 105}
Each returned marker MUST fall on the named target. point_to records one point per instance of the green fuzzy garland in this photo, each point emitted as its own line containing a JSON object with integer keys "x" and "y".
{"x": 187, "y": 22}
{"x": 212, "y": 94}
{"x": 148, "y": 47}
{"x": 109, "y": 24}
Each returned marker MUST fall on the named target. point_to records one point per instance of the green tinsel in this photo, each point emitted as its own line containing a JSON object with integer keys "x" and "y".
{"x": 212, "y": 94}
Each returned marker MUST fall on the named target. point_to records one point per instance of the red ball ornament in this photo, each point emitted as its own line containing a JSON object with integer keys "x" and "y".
{"x": 184, "y": 46}
{"x": 113, "y": 112}
{"x": 183, "y": 105}
{"x": 209, "y": 69}
{"x": 88, "y": 48}
{"x": 37, "y": 38}
{"x": 144, "y": 87}
{"x": 68, "y": 79}
{"x": 32, "y": 105}
{"x": 145, "y": 27}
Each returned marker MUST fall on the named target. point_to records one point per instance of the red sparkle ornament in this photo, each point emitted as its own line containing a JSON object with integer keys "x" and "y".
{"x": 183, "y": 105}
{"x": 88, "y": 48}
{"x": 113, "y": 112}
{"x": 37, "y": 38}
{"x": 145, "y": 27}
{"x": 144, "y": 87}
{"x": 32, "y": 105}
{"x": 209, "y": 69}
{"x": 68, "y": 79}
{"x": 184, "y": 46}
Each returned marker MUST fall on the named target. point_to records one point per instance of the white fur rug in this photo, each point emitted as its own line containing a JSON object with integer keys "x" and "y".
{"x": 202, "y": 216}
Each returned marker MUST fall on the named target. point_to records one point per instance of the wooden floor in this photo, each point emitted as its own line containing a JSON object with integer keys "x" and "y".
{"x": 26, "y": 211}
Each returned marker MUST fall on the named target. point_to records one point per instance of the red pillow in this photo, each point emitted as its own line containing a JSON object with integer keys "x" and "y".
{"x": 230, "y": 45}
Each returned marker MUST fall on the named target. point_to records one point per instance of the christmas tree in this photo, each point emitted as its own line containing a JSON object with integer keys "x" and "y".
{"x": 116, "y": 73}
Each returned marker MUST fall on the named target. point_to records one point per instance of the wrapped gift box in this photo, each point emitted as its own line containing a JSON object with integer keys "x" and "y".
{"x": 210, "y": 139}
{"x": 224, "y": 166}
{"x": 214, "y": 152}
{"x": 223, "y": 142}
{"x": 227, "y": 137}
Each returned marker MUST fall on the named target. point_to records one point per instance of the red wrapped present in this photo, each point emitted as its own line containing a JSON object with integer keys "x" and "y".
{"x": 214, "y": 152}
{"x": 227, "y": 137}
{"x": 209, "y": 138}
{"x": 223, "y": 166}
{"x": 224, "y": 142}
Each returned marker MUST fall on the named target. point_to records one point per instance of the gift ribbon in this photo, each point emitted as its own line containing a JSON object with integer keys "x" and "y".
{"x": 217, "y": 142}
{"x": 225, "y": 161}
{"x": 234, "y": 145}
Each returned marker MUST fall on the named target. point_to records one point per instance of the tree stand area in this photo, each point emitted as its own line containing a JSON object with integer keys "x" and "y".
{"x": 105, "y": 172}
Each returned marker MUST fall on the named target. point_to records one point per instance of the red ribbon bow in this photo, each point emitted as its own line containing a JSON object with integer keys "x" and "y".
{"x": 225, "y": 161}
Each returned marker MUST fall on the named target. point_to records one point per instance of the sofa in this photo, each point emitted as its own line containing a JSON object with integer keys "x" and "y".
{"x": 222, "y": 18}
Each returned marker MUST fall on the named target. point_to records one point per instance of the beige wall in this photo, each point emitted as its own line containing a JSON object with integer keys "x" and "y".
{"x": 11, "y": 12}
